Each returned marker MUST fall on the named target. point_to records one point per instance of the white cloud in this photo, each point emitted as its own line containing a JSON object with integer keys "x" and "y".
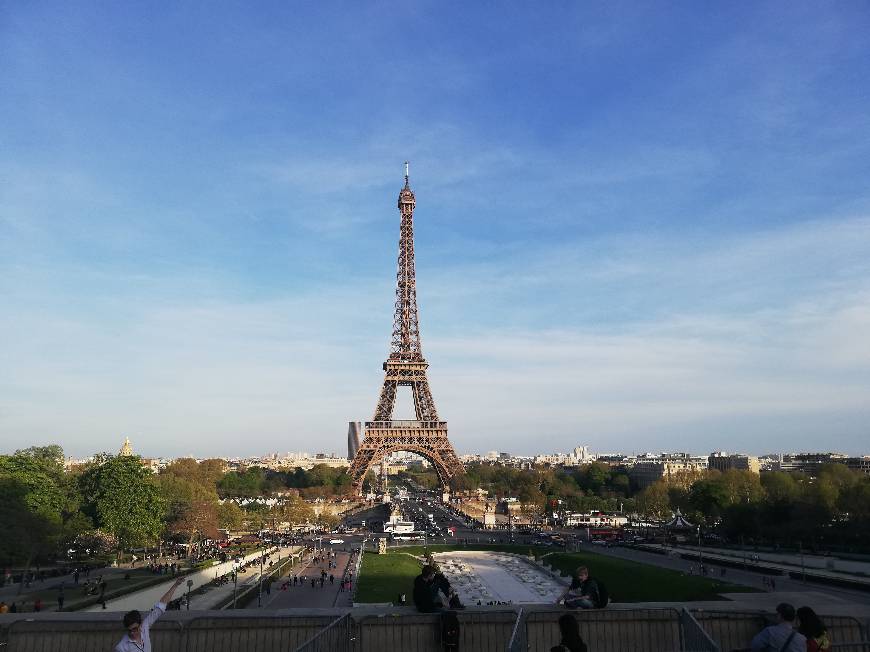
{"x": 224, "y": 376}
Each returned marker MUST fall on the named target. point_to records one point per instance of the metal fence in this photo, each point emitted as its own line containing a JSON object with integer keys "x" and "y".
{"x": 608, "y": 630}
{"x": 733, "y": 630}
{"x": 518, "y": 641}
{"x": 482, "y": 631}
{"x": 693, "y": 637}
{"x": 335, "y": 637}
{"x": 514, "y": 629}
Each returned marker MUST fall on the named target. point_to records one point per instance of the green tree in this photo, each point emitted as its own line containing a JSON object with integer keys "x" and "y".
{"x": 122, "y": 498}
{"x": 654, "y": 501}
{"x": 230, "y": 515}
{"x": 33, "y": 504}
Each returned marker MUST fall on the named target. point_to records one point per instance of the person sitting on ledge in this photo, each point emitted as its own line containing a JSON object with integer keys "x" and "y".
{"x": 138, "y": 637}
{"x": 583, "y": 593}
{"x": 427, "y": 585}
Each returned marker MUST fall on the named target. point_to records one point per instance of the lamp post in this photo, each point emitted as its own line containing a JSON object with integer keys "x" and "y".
{"x": 260, "y": 587}
{"x": 803, "y": 569}
{"x": 700, "y": 556}
{"x": 189, "y": 584}
{"x": 235, "y": 585}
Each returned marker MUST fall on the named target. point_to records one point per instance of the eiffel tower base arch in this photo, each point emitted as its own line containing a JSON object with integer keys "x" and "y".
{"x": 425, "y": 438}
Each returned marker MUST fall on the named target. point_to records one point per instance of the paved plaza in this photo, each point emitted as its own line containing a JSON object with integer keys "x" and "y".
{"x": 484, "y": 577}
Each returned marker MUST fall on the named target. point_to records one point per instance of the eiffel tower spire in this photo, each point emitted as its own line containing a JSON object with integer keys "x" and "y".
{"x": 406, "y": 366}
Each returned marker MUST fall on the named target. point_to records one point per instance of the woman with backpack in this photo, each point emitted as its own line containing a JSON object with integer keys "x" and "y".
{"x": 812, "y": 627}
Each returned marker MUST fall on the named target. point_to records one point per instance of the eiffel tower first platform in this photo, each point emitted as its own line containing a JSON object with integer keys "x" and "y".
{"x": 427, "y": 435}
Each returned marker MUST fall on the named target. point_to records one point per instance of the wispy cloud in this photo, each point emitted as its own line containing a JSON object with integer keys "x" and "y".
{"x": 282, "y": 373}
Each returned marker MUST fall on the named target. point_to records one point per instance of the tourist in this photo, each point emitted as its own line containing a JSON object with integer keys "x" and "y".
{"x": 138, "y": 637}
{"x": 571, "y": 640}
{"x": 427, "y": 585}
{"x": 583, "y": 592}
{"x": 814, "y": 630}
{"x": 781, "y": 636}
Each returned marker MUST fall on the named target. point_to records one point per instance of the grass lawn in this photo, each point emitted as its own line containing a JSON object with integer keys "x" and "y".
{"x": 383, "y": 577}
{"x": 629, "y": 581}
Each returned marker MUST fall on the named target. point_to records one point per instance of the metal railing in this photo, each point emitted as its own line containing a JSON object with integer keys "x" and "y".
{"x": 532, "y": 627}
{"x": 405, "y": 423}
{"x": 693, "y": 637}
{"x": 732, "y": 630}
{"x": 518, "y": 640}
{"x": 607, "y": 630}
{"x": 338, "y": 636}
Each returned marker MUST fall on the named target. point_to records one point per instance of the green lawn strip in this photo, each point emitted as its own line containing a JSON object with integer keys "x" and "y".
{"x": 383, "y": 577}
{"x": 74, "y": 595}
{"x": 629, "y": 581}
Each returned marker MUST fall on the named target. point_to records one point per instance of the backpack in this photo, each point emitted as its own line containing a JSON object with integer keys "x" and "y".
{"x": 603, "y": 597}
{"x": 450, "y": 631}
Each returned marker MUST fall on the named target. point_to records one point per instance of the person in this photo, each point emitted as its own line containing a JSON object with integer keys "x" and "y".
{"x": 583, "y": 592}
{"x": 814, "y": 630}
{"x": 427, "y": 585}
{"x": 781, "y": 636}
{"x": 102, "y": 586}
{"x": 13, "y": 609}
{"x": 37, "y": 604}
{"x": 571, "y": 640}
{"x": 138, "y": 636}
{"x": 4, "y": 608}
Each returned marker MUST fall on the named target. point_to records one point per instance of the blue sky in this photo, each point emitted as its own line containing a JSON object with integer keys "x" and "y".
{"x": 639, "y": 226}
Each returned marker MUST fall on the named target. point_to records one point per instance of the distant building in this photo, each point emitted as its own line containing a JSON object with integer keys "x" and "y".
{"x": 860, "y": 464}
{"x": 126, "y": 448}
{"x": 353, "y": 439}
{"x": 721, "y": 461}
{"x": 647, "y": 472}
{"x": 594, "y": 519}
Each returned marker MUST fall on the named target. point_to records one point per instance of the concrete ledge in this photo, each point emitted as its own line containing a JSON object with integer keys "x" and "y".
{"x": 654, "y": 627}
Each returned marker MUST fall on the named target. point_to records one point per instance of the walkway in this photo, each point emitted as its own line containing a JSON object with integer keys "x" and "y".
{"x": 146, "y": 598}
{"x": 302, "y": 595}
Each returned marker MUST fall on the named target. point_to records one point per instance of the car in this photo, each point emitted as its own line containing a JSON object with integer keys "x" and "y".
{"x": 336, "y": 541}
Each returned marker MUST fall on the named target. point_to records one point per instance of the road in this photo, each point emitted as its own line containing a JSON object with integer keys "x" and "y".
{"x": 417, "y": 509}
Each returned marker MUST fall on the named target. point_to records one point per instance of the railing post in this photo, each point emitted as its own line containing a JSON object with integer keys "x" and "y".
{"x": 518, "y": 635}
{"x": 693, "y": 637}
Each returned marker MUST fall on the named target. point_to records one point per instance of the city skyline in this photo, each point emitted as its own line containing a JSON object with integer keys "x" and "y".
{"x": 638, "y": 229}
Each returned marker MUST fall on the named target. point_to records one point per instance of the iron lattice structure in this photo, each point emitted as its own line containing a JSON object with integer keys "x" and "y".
{"x": 427, "y": 435}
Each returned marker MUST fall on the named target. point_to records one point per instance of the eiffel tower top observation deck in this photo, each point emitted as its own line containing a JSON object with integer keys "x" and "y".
{"x": 406, "y": 366}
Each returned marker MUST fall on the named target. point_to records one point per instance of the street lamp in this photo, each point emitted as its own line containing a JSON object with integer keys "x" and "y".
{"x": 260, "y": 587}
{"x": 189, "y": 584}
{"x": 700, "y": 556}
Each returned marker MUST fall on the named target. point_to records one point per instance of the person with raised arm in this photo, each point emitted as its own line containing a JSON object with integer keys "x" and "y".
{"x": 138, "y": 636}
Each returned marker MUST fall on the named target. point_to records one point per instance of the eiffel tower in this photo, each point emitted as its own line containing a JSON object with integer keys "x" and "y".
{"x": 427, "y": 435}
